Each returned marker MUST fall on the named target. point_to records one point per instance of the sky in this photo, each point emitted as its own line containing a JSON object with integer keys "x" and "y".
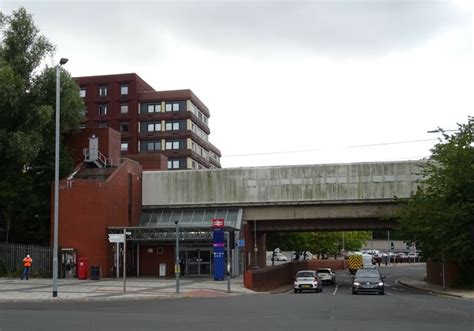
{"x": 286, "y": 82}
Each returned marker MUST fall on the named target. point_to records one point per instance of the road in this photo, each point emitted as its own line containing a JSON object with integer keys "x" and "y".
{"x": 334, "y": 309}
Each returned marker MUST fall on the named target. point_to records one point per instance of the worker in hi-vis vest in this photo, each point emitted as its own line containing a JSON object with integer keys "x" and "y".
{"x": 27, "y": 262}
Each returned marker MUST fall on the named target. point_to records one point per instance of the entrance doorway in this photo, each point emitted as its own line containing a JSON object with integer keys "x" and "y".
{"x": 197, "y": 261}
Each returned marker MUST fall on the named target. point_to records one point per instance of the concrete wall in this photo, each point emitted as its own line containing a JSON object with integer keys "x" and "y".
{"x": 283, "y": 184}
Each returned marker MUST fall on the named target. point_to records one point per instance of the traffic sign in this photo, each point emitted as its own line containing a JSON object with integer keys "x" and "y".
{"x": 241, "y": 243}
{"x": 116, "y": 237}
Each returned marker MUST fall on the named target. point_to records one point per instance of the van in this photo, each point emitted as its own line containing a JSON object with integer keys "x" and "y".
{"x": 367, "y": 261}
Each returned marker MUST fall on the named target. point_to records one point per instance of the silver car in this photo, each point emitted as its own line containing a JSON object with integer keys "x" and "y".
{"x": 326, "y": 275}
{"x": 307, "y": 280}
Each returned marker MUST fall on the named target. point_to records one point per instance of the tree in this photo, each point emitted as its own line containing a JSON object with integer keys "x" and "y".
{"x": 439, "y": 215}
{"x": 330, "y": 243}
{"x": 27, "y": 118}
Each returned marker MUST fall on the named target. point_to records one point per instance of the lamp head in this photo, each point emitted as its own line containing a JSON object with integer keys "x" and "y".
{"x": 63, "y": 61}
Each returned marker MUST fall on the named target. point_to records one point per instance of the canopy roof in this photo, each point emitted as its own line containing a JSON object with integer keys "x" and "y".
{"x": 193, "y": 224}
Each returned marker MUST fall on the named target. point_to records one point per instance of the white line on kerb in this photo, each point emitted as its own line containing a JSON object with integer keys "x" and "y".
{"x": 335, "y": 290}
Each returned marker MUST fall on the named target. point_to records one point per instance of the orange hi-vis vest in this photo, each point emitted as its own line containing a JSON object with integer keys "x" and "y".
{"x": 27, "y": 261}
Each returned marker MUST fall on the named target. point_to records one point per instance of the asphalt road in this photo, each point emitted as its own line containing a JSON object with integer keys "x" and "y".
{"x": 334, "y": 309}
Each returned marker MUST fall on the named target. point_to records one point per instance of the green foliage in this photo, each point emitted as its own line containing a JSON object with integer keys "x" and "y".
{"x": 330, "y": 243}
{"x": 439, "y": 214}
{"x": 27, "y": 119}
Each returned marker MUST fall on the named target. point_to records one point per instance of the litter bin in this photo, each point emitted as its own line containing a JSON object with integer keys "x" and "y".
{"x": 82, "y": 268}
{"x": 95, "y": 272}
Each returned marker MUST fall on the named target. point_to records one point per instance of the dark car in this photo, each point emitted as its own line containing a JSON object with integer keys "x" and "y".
{"x": 368, "y": 281}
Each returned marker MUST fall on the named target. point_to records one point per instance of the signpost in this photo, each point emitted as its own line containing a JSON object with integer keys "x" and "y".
{"x": 118, "y": 238}
{"x": 218, "y": 245}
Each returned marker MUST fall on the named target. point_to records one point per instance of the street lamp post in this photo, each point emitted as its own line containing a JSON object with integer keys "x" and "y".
{"x": 56, "y": 180}
{"x": 176, "y": 266}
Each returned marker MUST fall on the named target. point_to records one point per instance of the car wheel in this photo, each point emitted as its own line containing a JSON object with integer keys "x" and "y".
{"x": 296, "y": 291}
{"x": 382, "y": 292}
{"x": 354, "y": 292}
{"x": 320, "y": 290}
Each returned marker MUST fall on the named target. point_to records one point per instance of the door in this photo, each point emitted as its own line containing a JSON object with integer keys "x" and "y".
{"x": 198, "y": 262}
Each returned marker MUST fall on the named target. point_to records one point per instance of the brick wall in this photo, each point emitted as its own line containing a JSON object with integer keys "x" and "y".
{"x": 266, "y": 279}
{"x": 88, "y": 207}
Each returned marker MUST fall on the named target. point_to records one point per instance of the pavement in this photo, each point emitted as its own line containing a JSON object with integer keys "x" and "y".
{"x": 421, "y": 285}
{"x": 112, "y": 289}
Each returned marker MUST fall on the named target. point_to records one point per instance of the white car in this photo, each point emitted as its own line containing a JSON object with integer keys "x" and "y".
{"x": 280, "y": 257}
{"x": 326, "y": 275}
{"x": 307, "y": 280}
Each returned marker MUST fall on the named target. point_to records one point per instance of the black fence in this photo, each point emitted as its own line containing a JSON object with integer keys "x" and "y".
{"x": 12, "y": 255}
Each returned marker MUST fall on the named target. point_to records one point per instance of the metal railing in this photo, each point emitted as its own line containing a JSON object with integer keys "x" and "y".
{"x": 104, "y": 161}
{"x": 11, "y": 258}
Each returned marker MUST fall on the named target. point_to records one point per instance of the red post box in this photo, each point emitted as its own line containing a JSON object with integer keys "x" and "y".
{"x": 82, "y": 268}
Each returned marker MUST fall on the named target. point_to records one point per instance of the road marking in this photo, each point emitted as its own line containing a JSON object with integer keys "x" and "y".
{"x": 388, "y": 293}
{"x": 335, "y": 290}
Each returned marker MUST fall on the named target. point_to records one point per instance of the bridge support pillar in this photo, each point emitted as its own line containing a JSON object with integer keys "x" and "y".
{"x": 255, "y": 251}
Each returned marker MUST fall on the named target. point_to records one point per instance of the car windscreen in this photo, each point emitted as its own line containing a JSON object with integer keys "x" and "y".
{"x": 362, "y": 273}
{"x": 304, "y": 274}
{"x": 323, "y": 271}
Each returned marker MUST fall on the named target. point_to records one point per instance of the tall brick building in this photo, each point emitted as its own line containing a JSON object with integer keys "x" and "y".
{"x": 172, "y": 123}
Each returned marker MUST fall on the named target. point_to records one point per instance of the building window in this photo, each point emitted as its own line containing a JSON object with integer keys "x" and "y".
{"x": 124, "y": 146}
{"x": 152, "y": 127}
{"x": 172, "y": 126}
{"x": 82, "y": 92}
{"x": 154, "y": 108}
{"x": 102, "y": 110}
{"x": 124, "y": 108}
{"x": 150, "y": 145}
{"x": 172, "y": 106}
{"x": 102, "y": 125}
{"x": 193, "y": 165}
{"x": 123, "y": 89}
{"x": 124, "y": 127}
{"x": 103, "y": 91}
{"x": 172, "y": 144}
{"x": 173, "y": 164}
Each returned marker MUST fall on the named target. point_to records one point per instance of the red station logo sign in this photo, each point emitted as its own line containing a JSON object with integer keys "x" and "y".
{"x": 218, "y": 223}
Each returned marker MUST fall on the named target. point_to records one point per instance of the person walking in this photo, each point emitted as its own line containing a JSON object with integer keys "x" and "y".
{"x": 27, "y": 262}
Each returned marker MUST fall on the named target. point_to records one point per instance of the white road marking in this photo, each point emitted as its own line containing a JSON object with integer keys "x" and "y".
{"x": 388, "y": 293}
{"x": 335, "y": 290}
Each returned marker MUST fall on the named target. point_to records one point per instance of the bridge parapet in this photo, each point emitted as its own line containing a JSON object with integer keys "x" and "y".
{"x": 299, "y": 184}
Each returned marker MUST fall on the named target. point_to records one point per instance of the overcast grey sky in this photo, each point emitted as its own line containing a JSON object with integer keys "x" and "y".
{"x": 286, "y": 82}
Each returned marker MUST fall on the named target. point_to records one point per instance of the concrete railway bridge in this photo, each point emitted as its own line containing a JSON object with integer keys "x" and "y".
{"x": 257, "y": 200}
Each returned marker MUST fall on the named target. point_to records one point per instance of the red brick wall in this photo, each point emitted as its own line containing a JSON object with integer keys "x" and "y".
{"x": 269, "y": 278}
{"x": 151, "y": 161}
{"x": 88, "y": 207}
{"x": 150, "y": 261}
{"x": 109, "y": 143}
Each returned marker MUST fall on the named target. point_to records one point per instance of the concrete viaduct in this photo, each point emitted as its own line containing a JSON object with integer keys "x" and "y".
{"x": 331, "y": 197}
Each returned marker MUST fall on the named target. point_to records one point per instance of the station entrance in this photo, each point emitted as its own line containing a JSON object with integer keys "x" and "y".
{"x": 151, "y": 246}
{"x": 196, "y": 261}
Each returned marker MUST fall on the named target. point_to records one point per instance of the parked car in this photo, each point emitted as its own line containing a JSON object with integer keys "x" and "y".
{"x": 280, "y": 257}
{"x": 326, "y": 275}
{"x": 307, "y": 280}
{"x": 368, "y": 280}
